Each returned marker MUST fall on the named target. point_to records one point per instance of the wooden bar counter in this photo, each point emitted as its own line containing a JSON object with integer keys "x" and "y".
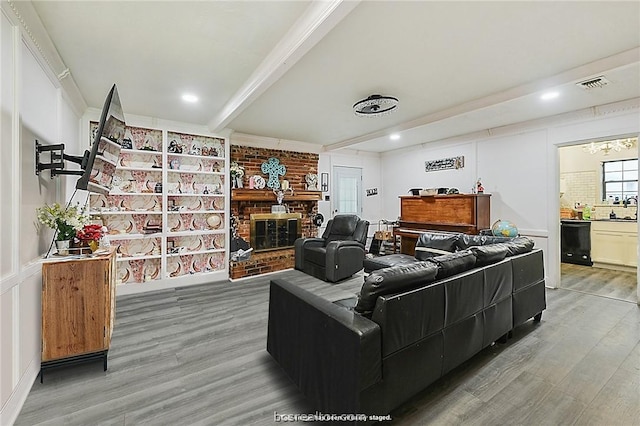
{"x": 467, "y": 213}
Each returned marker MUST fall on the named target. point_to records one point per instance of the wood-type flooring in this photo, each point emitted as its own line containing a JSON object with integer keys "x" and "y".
{"x": 602, "y": 282}
{"x": 196, "y": 356}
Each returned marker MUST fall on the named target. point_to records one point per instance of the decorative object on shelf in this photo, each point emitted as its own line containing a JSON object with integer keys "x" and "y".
{"x": 375, "y": 106}
{"x": 444, "y": 164}
{"x": 147, "y": 146}
{"x": 258, "y": 182}
{"x": 312, "y": 181}
{"x": 65, "y": 221}
{"x": 237, "y": 173}
{"x": 195, "y": 150}
{"x": 174, "y": 164}
{"x": 607, "y": 146}
{"x": 211, "y": 152}
{"x": 504, "y": 228}
{"x": 281, "y": 193}
{"x": 91, "y": 235}
{"x": 214, "y": 221}
{"x": 274, "y": 169}
{"x": 152, "y": 227}
{"x": 324, "y": 182}
{"x": 479, "y": 187}
{"x": 174, "y": 147}
{"x": 284, "y": 184}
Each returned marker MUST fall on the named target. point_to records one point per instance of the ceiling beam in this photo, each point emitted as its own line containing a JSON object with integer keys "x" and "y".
{"x": 316, "y": 21}
{"x": 620, "y": 60}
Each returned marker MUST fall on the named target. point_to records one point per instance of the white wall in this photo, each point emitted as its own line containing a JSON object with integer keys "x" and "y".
{"x": 405, "y": 169}
{"x": 32, "y": 108}
{"x": 519, "y": 167}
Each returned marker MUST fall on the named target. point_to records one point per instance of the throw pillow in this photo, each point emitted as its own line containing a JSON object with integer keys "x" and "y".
{"x": 466, "y": 241}
{"x": 394, "y": 280}
{"x": 486, "y": 255}
{"x": 454, "y": 263}
{"x": 519, "y": 245}
{"x": 431, "y": 244}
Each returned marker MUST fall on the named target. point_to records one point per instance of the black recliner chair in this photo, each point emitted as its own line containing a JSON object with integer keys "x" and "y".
{"x": 338, "y": 254}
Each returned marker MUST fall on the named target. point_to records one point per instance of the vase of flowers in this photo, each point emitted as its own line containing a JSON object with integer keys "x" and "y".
{"x": 65, "y": 221}
{"x": 237, "y": 173}
{"x": 90, "y": 236}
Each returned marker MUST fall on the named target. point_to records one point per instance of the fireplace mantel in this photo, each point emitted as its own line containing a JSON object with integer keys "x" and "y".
{"x": 242, "y": 194}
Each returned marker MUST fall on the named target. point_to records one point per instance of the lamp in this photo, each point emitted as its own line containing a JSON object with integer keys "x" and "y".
{"x": 607, "y": 146}
{"x": 375, "y": 106}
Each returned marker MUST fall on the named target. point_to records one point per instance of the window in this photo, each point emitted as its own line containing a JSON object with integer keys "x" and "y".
{"x": 619, "y": 179}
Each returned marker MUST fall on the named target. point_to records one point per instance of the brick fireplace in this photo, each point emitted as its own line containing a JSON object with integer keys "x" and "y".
{"x": 247, "y": 202}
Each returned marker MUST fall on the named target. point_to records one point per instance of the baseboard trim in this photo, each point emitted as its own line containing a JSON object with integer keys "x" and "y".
{"x": 10, "y": 411}
{"x": 623, "y": 268}
{"x": 167, "y": 283}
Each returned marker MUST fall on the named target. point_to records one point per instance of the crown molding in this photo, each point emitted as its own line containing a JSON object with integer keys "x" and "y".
{"x": 23, "y": 15}
{"x": 316, "y": 21}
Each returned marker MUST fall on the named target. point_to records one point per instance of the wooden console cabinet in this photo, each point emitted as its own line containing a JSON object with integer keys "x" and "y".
{"x": 78, "y": 309}
{"x": 467, "y": 213}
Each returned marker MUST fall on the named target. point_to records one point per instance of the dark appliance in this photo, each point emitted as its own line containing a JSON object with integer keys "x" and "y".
{"x": 575, "y": 242}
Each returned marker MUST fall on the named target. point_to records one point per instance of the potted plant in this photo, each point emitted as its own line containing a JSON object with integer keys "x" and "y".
{"x": 65, "y": 221}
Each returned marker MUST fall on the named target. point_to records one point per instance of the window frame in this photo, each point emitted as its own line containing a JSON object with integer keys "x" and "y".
{"x": 623, "y": 194}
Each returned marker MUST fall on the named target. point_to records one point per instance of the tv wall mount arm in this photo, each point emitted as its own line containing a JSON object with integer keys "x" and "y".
{"x": 57, "y": 157}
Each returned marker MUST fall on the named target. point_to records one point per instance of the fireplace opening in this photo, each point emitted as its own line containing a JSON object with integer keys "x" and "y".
{"x": 275, "y": 231}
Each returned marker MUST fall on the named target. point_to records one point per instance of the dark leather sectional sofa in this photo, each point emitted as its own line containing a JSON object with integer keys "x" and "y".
{"x": 412, "y": 323}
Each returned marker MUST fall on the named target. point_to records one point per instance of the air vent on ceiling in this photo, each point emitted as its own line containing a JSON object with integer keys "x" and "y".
{"x": 593, "y": 83}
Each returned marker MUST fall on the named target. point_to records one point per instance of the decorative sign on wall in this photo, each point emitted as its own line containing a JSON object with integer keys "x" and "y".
{"x": 372, "y": 191}
{"x": 444, "y": 164}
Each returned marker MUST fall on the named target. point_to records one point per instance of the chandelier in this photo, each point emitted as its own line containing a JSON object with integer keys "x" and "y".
{"x": 375, "y": 106}
{"x": 607, "y": 146}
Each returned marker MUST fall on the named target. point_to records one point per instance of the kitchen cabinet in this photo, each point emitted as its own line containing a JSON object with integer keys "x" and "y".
{"x": 614, "y": 243}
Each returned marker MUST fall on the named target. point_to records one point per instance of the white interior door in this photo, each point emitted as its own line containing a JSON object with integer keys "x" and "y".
{"x": 347, "y": 190}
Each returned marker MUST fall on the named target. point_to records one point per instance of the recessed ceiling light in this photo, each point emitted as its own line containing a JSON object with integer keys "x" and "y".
{"x": 549, "y": 95}
{"x": 394, "y": 136}
{"x": 188, "y": 97}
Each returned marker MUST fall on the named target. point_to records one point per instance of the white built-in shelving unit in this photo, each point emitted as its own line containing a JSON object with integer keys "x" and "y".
{"x": 166, "y": 208}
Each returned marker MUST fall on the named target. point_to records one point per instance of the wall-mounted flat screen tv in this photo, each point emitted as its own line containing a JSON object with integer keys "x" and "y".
{"x": 105, "y": 149}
